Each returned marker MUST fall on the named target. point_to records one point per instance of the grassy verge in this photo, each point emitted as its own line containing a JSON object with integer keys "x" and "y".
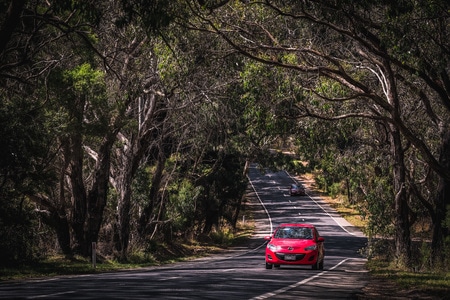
{"x": 403, "y": 283}
{"x": 58, "y": 265}
{"x": 389, "y": 282}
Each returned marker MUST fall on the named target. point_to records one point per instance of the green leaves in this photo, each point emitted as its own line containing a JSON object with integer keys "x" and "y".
{"x": 84, "y": 79}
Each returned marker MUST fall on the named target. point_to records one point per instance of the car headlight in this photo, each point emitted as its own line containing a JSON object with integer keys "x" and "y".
{"x": 272, "y": 247}
{"x": 310, "y": 248}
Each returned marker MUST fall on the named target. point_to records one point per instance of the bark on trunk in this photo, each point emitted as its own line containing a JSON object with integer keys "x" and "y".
{"x": 153, "y": 197}
{"x": 78, "y": 192}
{"x": 402, "y": 226}
{"x": 97, "y": 197}
{"x": 122, "y": 235}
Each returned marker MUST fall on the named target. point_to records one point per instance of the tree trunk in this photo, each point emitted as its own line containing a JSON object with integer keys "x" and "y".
{"x": 56, "y": 218}
{"x": 63, "y": 234}
{"x": 402, "y": 227}
{"x": 236, "y": 213}
{"x": 442, "y": 204}
{"x": 211, "y": 212}
{"x": 78, "y": 193}
{"x": 122, "y": 235}
{"x": 153, "y": 196}
{"x": 98, "y": 194}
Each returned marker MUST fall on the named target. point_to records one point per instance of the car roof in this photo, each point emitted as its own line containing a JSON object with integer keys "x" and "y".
{"x": 296, "y": 225}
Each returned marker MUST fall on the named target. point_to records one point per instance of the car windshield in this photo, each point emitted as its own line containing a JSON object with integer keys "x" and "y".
{"x": 294, "y": 233}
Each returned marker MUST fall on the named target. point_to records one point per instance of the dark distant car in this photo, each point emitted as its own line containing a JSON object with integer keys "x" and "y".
{"x": 296, "y": 190}
{"x": 295, "y": 244}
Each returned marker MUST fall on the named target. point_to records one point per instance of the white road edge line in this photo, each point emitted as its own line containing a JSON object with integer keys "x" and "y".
{"x": 260, "y": 201}
{"x": 337, "y": 222}
{"x": 50, "y": 295}
{"x": 292, "y": 286}
{"x": 333, "y": 218}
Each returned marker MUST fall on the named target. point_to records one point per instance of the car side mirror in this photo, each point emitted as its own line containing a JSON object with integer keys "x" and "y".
{"x": 268, "y": 238}
{"x": 321, "y": 239}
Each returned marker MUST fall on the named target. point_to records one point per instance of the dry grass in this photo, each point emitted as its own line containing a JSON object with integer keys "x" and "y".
{"x": 347, "y": 211}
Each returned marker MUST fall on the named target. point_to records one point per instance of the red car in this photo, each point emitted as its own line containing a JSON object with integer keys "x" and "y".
{"x": 295, "y": 244}
{"x": 295, "y": 189}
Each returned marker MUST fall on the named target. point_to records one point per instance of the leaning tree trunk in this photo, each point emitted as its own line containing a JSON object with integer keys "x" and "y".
{"x": 145, "y": 217}
{"x": 55, "y": 217}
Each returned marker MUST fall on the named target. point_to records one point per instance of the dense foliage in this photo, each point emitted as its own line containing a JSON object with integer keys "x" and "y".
{"x": 125, "y": 123}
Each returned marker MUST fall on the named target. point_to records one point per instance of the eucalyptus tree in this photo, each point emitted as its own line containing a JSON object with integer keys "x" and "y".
{"x": 390, "y": 61}
{"x": 203, "y": 80}
{"x": 172, "y": 115}
{"x": 61, "y": 55}
{"x": 173, "y": 110}
{"x": 34, "y": 43}
{"x": 133, "y": 82}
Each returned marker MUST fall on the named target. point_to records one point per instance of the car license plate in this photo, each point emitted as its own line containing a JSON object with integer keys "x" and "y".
{"x": 289, "y": 257}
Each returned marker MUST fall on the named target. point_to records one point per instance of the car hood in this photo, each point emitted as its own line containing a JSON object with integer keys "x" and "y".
{"x": 286, "y": 243}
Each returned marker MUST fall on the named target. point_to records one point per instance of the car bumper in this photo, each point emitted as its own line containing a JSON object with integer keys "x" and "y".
{"x": 279, "y": 258}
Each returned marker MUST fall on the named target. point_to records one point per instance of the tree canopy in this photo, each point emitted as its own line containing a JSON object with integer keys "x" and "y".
{"x": 124, "y": 122}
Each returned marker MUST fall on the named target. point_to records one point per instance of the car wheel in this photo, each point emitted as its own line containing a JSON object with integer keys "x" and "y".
{"x": 268, "y": 266}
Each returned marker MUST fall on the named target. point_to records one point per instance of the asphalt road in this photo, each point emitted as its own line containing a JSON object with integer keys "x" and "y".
{"x": 236, "y": 274}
